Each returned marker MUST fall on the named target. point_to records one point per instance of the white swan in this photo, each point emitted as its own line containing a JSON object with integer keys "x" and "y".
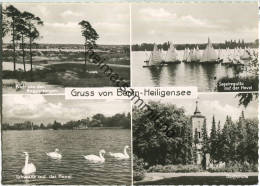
{"x": 120, "y": 155}
{"x": 28, "y": 168}
{"x": 55, "y": 154}
{"x": 96, "y": 159}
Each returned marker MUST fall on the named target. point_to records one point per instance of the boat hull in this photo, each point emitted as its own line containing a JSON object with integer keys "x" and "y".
{"x": 171, "y": 62}
{"x": 154, "y": 66}
{"x": 212, "y": 61}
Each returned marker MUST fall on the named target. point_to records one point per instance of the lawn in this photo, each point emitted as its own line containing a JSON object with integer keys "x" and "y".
{"x": 203, "y": 180}
{"x": 70, "y": 75}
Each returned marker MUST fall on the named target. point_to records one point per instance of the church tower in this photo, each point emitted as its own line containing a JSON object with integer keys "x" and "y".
{"x": 197, "y": 120}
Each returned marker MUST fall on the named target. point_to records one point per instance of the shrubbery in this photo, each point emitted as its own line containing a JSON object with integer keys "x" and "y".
{"x": 175, "y": 168}
{"x": 236, "y": 167}
{"x": 138, "y": 168}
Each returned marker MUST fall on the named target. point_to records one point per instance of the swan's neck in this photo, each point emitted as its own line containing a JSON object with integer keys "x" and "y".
{"x": 125, "y": 152}
{"x": 26, "y": 160}
{"x": 101, "y": 155}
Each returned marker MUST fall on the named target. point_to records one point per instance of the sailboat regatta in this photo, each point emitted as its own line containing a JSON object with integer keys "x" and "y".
{"x": 171, "y": 55}
{"x": 155, "y": 58}
{"x": 209, "y": 55}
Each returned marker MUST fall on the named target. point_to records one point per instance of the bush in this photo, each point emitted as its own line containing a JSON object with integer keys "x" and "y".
{"x": 236, "y": 167}
{"x": 175, "y": 168}
{"x": 138, "y": 168}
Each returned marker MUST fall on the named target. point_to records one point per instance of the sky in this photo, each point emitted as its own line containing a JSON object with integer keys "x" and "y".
{"x": 194, "y": 22}
{"x": 45, "y": 109}
{"x": 111, "y": 21}
{"x": 219, "y": 104}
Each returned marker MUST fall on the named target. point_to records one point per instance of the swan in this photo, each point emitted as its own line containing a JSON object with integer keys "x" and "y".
{"x": 120, "y": 155}
{"x": 55, "y": 154}
{"x": 28, "y": 168}
{"x": 96, "y": 159}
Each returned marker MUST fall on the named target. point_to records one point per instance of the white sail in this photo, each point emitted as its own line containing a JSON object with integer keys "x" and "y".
{"x": 188, "y": 55}
{"x": 146, "y": 54}
{"x": 209, "y": 54}
{"x": 171, "y": 55}
{"x": 219, "y": 53}
{"x": 185, "y": 54}
{"x": 155, "y": 58}
{"x": 192, "y": 54}
{"x": 196, "y": 54}
{"x": 245, "y": 54}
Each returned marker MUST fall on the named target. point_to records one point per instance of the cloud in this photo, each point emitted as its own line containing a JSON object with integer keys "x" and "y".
{"x": 111, "y": 26}
{"x": 187, "y": 22}
{"x": 160, "y": 13}
{"x": 69, "y": 13}
{"x": 68, "y": 25}
{"x": 44, "y": 109}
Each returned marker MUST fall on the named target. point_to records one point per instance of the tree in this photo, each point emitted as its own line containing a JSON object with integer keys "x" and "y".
{"x": 5, "y": 23}
{"x": 14, "y": 15}
{"x": 150, "y": 139}
{"x": 90, "y": 35}
{"x": 219, "y": 144}
{"x": 56, "y": 125}
{"x": 42, "y": 126}
{"x": 246, "y": 98}
{"x": 22, "y": 32}
{"x": 213, "y": 140}
{"x": 31, "y": 22}
{"x": 205, "y": 143}
{"x": 99, "y": 117}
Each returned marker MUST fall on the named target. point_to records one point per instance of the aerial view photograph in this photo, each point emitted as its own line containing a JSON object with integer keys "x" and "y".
{"x": 47, "y": 46}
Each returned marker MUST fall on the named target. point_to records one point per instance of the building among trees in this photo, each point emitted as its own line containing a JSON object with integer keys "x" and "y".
{"x": 197, "y": 121}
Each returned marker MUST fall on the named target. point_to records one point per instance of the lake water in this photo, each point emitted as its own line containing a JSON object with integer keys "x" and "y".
{"x": 204, "y": 76}
{"x": 72, "y": 144}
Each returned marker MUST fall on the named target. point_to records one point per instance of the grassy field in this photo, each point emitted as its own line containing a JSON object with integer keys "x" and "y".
{"x": 202, "y": 180}
{"x": 69, "y": 75}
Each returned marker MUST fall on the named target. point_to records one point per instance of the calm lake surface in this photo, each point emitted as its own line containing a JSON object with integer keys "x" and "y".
{"x": 204, "y": 76}
{"x": 72, "y": 144}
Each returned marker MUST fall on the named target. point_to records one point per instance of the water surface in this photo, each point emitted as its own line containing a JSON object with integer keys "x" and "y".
{"x": 204, "y": 76}
{"x": 72, "y": 144}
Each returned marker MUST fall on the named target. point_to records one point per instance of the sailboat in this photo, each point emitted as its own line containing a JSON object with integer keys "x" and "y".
{"x": 146, "y": 56}
{"x": 209, "y": 55}
{"x": 195, "y": 55}
{"x": 187, "y": 55}
{"x": 245, "y": 55}
{"x": 155, "y": 58}
{"x": 171, "y": 55}
{"x": 227, "y": 58}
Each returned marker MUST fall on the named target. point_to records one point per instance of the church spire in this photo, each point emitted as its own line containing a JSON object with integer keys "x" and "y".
{"x": 197, "y": 112}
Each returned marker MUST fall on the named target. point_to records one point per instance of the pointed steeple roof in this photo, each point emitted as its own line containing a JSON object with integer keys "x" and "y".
{"x": 197, "y": 112}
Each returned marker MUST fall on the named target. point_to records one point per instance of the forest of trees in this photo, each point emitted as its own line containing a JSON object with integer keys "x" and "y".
{"x": 98, "y": 120}
{"x": 235, "y": 142}
{"x": 23, "y": 29}
{"x": 227, "y": 44}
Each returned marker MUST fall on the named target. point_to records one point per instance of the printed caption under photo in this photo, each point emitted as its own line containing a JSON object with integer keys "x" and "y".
{"x": 58, "y": 176}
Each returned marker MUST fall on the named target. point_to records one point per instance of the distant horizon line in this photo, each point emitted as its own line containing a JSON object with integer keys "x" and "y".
{"x": 67, "y": 44}
{"x": 191, "y": 43}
